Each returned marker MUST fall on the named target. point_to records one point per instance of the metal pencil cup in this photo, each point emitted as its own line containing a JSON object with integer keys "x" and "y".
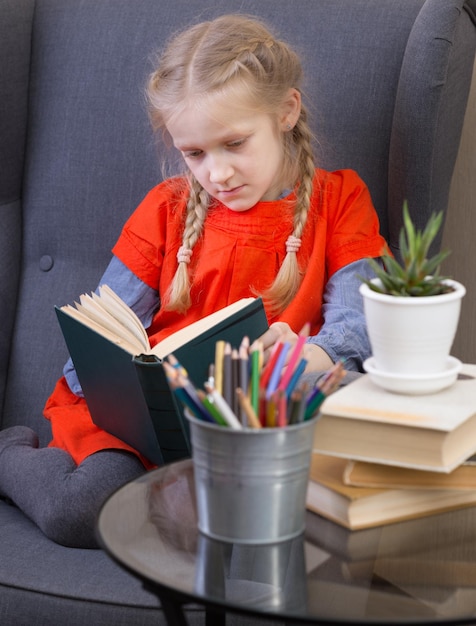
{"x": 251, "y": 484}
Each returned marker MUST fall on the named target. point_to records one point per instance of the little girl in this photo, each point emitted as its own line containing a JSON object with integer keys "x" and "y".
{"x": 251, "y": 216}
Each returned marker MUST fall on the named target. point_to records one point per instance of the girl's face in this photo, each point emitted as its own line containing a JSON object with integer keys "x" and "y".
{"x": 234, "y": 153}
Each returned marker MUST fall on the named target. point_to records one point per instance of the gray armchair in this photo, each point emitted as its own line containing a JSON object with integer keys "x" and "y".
{"x": 388, "y": 83}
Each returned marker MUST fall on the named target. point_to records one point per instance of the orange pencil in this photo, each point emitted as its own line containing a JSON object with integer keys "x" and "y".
{"x": 245, "y": 404}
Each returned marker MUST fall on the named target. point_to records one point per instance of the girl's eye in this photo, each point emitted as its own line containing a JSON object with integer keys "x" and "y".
{"x": 236, "y": 144}
{"x": 192, "y": 154}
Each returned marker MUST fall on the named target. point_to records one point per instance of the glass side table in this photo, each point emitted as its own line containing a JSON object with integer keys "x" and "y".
{"x": 416, "y": 572}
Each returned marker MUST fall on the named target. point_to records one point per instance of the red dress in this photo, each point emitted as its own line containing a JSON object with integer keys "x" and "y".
{"x": 238, "y": 255}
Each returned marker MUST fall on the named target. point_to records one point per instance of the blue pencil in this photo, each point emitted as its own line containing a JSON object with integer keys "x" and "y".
{"x": 197, "y": 409}
{"x": 277, "y": 371}
{"x": 301, "y": 366}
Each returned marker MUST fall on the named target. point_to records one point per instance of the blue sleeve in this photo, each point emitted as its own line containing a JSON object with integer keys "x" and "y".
{"x": 142, "y": 299}
{"x": 344, "y": 332}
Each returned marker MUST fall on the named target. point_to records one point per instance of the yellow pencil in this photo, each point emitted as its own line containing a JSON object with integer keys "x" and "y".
{"x": 219, "y": 352}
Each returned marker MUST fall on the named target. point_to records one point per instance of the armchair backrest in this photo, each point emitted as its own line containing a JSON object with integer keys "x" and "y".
{"x": 387, "y": 84}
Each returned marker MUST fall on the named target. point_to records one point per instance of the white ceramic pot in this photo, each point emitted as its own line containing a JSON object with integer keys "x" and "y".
{"x": 412, "y": 335}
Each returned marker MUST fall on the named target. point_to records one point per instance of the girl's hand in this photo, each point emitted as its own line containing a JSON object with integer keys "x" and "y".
{"x": 317, "y": 358}
{"x": 279, "y": 331}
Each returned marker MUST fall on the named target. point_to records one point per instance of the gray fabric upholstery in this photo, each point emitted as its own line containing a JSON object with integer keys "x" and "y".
{"x": 15, "y": 28}
{"x": 38, "y": 566}
{"x": 429, "y": 111}
{"x": 387, "y": 83}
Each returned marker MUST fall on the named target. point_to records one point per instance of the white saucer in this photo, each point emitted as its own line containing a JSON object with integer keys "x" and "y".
{"x": 414, "y": 384}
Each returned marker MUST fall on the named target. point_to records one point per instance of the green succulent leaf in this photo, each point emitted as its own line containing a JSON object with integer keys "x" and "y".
{"x": 417, "y": 275}
{"x": 392, "y": 267}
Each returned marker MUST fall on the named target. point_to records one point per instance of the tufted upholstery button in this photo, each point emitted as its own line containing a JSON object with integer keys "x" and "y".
{"x": 46, "y": 263}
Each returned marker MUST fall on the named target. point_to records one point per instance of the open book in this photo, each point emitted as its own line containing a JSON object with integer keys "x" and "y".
{"x": 122, "y": 377}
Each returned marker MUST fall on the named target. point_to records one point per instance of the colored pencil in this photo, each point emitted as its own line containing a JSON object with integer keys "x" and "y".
{"x": 277, "y": 371}
{"x": 219, "y": 350}
{"x": 256, "y": 361}
{"x": 245, "y": 403}
{"x": 224, "y": 408}
{"x": 294, "y": 358}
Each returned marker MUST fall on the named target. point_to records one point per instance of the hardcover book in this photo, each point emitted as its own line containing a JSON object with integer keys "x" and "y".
{"x": 123, "y": 379}
{"x": 435, "y": 432}
{"x": 363, "y": 474}
{"x": 366, "y": 507}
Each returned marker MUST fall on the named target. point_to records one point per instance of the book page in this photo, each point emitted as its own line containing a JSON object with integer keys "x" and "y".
{"x": 111, "y": 317}
{"x": 183, "y": 336}
{"x": 92, "y": 308}
{"x": 123, "y": 313}
{"x": 86, "y": 319}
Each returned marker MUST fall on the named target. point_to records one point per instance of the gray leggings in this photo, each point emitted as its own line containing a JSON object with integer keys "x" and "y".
{"x": 63, "y": 499}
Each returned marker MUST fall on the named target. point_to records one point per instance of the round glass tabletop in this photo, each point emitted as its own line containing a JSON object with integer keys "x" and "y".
{"x": 418, "y": 571}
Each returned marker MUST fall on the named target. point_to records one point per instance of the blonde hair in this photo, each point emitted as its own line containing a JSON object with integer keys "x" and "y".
{"x": 234, "y": 52}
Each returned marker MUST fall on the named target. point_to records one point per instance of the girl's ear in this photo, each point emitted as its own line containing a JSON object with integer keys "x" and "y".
{"x": 290, "y": 110}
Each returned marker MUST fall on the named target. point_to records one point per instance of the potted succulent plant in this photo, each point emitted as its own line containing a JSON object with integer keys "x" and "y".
{"x": 412, "y": 314}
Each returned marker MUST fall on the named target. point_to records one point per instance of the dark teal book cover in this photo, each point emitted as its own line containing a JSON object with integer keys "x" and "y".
{"x": 128, "y": 395}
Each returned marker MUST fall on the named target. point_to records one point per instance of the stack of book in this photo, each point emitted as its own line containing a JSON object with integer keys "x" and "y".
{"x": 381, "y": 457}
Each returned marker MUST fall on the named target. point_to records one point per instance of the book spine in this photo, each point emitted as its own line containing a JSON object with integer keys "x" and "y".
{"x": 170, "y": 425}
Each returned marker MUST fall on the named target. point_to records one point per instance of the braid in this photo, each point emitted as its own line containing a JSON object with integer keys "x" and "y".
{"x": 306, "y": 165}
{"x": 178, "y": 296}
{"x": 289, "y": 277}
{"x": 251, "y": 59}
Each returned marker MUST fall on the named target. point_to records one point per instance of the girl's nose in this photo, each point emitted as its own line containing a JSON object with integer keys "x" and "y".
{"x": 220, "y": 170}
